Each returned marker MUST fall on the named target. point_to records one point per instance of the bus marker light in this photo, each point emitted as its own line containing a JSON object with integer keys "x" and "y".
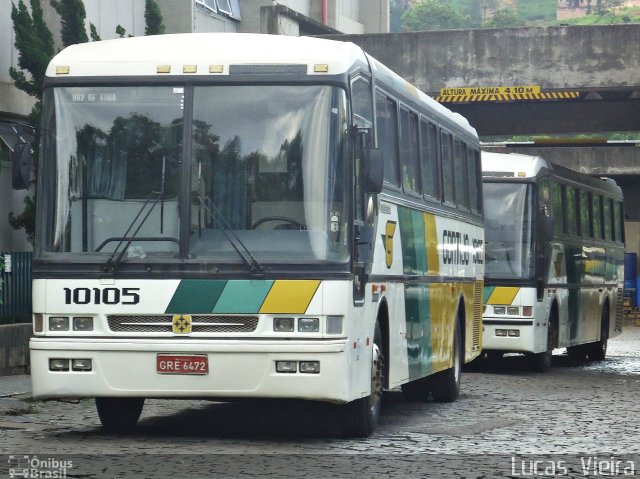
{"x": 38, "y": 322}
{"x": 163, "y": 69}
{"x": 527, "y": 311}
{"x": 334, "y": 324}
{"x": 190, "y": 69}
{"x": 321, "y": 68}
{"x": 58, "y": 323}
{"x": 286, "y": 366}
{"x": 310, "y": 367}
{"x": 283, "y": 325}
{"x": 216, "y": 68}
{"x": 58, "y": 364}
{"x": 62, "y": 70}
{"x": 81, "y": 364}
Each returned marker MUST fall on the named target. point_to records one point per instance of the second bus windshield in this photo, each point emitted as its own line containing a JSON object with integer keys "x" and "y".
{"x": 508, "y": 223}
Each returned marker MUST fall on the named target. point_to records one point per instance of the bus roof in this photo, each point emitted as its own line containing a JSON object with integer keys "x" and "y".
{"x": 212, "y": 54}
{"x": 515, "y": 165}
{"x": 142, "y": 56}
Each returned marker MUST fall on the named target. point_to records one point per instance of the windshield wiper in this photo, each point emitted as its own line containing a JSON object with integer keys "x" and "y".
{"x": 110, "y": 264}
{"x": 232, "y": 237}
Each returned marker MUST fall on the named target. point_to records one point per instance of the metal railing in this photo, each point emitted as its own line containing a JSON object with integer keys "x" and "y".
{"x": 15, "y": 289}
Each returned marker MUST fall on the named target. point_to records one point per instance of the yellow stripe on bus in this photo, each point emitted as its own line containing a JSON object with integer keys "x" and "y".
{"x": 503, "y": 295}
{"x": 289, "y": 297}
{"x": 430, "y": 233}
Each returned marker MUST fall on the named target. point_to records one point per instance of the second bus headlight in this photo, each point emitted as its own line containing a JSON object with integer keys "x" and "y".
{"x": 82, "y": 323}
{"x": 308, "y": 325}
{"x": 59, "y": 323}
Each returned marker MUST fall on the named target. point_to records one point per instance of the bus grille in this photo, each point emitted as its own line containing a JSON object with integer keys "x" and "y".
{"x": 477, "y": 315}
{"x": 202, "y": 323}
{"x": 619, "y": 312}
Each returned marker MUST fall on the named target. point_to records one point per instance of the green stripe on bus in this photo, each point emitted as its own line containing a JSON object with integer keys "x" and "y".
{"x": 418, "y": 316}
{"x": 487, "y": 293}
{"x": 243, "y": 296}
{"x": 196, "y": 296}
{"x": 414, "y": 244}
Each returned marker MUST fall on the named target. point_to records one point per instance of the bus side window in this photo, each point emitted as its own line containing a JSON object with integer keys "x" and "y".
{"x": 556, "y": 204}
{"x": 409, "y": 151}
{"x": 460, "y": 175}
{"x": 617, "y": 221}
{"x": 429, "y": 159}
{"x": 586, "y": 228}
{"x": 446, "y": 146}
{"x": 361, "y": 101}
{"x": 572, "y": 211}
{"x": 387, "y": 125}
{"x": 607, "y": 223}
{"x": 473, "y": 180}
{"x": 597, "y": 216}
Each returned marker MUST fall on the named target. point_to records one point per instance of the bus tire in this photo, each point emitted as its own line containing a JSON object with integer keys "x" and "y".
{"x": 445, "y": 385}
{"x": 119, "y": 414}
{"x": 360, "y": 417}
{"x": 597, "y": 351}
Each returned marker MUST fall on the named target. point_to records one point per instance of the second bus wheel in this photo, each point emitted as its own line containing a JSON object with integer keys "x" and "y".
{"x": 445, "y": 385}
{"x": 119, "y": 414}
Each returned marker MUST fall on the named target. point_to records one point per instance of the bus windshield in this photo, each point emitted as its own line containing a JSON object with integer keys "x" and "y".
{"x": 508, "y": 227}
{"x": 260, "y": 166}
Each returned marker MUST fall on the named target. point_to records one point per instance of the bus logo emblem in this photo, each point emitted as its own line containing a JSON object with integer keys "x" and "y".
{"x": 181, "y": 324}
{"x": 389, "y": 232}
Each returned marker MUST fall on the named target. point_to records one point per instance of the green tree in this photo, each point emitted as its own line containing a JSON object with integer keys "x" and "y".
{"x": 34, "y": 43}
{"x": 503, "y": 18}
{"x": 152, "y": 18}
{"x": 72, "y": 14}
{"x": 434, "y": 15}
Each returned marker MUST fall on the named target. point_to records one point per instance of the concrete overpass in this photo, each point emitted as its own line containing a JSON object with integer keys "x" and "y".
{"x": 598, "y": 65}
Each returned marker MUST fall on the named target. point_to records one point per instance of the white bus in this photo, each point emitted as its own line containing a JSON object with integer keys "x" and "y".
{"x": 554, "y": 259}
{"x": 214, "y": 221}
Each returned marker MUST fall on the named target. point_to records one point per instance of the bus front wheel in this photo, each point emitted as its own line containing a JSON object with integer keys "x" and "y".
{"x": 119, "y": 414}
{"x": 445, "y": 385}
{"x": 360, "y": 417}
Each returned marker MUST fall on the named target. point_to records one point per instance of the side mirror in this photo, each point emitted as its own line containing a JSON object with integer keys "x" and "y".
{"x": 21, "y": 158}
{"x": 373, "y": 172}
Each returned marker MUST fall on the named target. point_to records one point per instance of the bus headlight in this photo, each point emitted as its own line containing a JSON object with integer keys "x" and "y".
{"x": 498, "y": 310}
{"x": 58, "y": 364}
{"x": 308, "y": 325}
{"x": 513, "y": 311}
{"x": 81, "y": 323}
{"x": 59, "y": 323}
{"x": 283, "y": 325}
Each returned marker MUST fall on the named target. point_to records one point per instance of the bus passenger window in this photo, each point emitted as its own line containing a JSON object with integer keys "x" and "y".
{"x": 571, "y": 210}
{"x": 473, "y": 179}
{"x": 607, "y": 220}
{"x": 409, "y": 151}
{"x": 597, "y": 217}
{"x": 617, "y": 221}
{"x": 361, "y": 102}
{"x": 387, "y": 125}
{"x": 447, "y": 167}
{"x": 585, "y": 215}
{"x": 556, "y": 202}
{"x": 460, "y": 174}
{"x": 429, "y": 159}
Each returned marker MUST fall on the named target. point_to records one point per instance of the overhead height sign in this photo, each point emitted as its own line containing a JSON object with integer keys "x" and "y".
{"x": 501, "y": 93}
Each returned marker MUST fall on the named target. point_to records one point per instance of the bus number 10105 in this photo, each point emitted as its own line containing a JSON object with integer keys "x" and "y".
{"x": 101, "y": 296}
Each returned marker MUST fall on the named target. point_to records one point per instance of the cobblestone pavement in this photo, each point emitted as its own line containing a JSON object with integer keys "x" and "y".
{"x": 579, "y": 412}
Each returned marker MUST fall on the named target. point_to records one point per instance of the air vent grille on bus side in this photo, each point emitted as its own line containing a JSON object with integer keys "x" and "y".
{"x": 203, "y": 323}
{"x": 477, "y": 315}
